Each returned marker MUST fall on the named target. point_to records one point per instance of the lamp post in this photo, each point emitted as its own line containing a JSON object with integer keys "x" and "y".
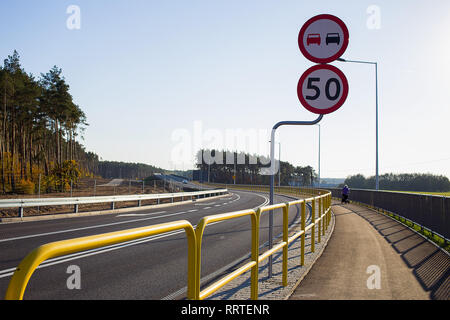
{"x": 377, "y": 181}
{"x": 279, "y": 160}
{"x": 319, "y": 155}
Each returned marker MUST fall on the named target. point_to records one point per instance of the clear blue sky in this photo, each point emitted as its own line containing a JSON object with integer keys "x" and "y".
{"x": 146, "y": 71}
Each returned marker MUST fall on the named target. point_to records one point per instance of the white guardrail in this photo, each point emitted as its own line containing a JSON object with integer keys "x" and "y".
{"x": 40, "y": 202}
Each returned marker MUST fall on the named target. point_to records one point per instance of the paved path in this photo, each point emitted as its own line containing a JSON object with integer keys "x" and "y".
{"x": 364, "y": 242}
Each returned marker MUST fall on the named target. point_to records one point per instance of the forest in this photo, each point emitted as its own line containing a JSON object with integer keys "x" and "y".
{"x": 40, "y": 132}
{"x": 249, "y": 169}
{"x": 402, "y": 182}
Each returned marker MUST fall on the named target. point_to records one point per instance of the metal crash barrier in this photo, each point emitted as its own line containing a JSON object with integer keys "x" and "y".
{"x": 320, "y": 220}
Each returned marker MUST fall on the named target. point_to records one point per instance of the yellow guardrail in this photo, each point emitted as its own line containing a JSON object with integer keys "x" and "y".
{"x": 322, "y": 222}
{"x": 320, "y": 219}
{"x": 26, "y": 268}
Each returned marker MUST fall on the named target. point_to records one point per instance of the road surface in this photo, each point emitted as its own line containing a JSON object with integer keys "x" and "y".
{"x": 150, "y": 268}
{"x": 112, "y": 183}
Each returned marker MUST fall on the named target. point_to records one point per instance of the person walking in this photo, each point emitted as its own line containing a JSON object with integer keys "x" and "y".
{"x": 345, "y": 193}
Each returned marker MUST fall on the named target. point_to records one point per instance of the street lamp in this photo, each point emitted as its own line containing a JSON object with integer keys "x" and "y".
{"x": 279, "y": 160}
{"x": 377, "y": 181}
{"x": 319, "y": 155}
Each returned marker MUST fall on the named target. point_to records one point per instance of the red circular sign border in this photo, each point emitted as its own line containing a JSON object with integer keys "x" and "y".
{"x": 344, "y": 90}
{"x": 320, "y": 17}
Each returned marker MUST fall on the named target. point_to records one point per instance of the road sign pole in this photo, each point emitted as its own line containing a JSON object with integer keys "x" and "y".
{"x": 377, "y": 182}
{"x": 272, "y": 175}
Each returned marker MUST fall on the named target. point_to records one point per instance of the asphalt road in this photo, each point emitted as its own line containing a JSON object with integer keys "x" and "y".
{"x": 150, "y": 268}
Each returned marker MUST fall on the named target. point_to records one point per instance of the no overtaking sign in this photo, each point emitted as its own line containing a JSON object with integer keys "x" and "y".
{"x": 323, "y": 88}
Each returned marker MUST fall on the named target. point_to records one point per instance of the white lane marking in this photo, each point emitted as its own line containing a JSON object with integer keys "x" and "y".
{"x": 107, "y": 224}
{"x": 90, "y": 252}
{"x": 90, "y": 227}
{"x": 66, "y": 258}
{"x": 217, "y": 205}
{"x": 206, "y": 208}
{"x": 193, "y": 210}
{"x": 50, "y": 262}
{"x": 204, "y": 204}
{"x": 140, "y": 214}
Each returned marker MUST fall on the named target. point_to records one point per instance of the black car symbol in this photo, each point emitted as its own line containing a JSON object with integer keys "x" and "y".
{"x": 333, "y": 38}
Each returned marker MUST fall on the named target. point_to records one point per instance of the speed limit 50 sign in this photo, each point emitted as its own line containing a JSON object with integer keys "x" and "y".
{"x": 322, "y": 89}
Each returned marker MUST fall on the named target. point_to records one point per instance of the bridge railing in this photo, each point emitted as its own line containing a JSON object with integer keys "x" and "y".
{"x": 320, "y": 220}
{"x": 430, "y": 212}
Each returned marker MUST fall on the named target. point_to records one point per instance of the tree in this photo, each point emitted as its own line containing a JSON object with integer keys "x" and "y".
{"x": 39, "y": 125}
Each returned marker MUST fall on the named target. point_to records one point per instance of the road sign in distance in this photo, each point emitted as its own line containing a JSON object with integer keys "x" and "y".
{"x": 322, "y": 89}
{"x": 323, "y": 38}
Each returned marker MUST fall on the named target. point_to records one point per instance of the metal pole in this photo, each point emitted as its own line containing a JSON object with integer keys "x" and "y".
{"x": 39, "y": 191}
{"x": 272, "y": 175}
{"x": 234, "y": 160}
{"x": 377, "y": 178}
{"x": 319, "y": 154}
{"x": 39, "y": 187}
{"x": 279, "y": 160}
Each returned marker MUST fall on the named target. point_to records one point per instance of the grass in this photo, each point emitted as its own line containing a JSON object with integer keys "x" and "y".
{"x": 430, "y": 235}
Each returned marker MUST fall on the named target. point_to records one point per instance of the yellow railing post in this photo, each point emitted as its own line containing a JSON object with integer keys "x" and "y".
{"x": 255, "y": 254}
{"x": 319, "y": 216}
{"x": 252, "y": 265}
{"x": 329, "y": 211}
{"x": 313, "y": 229}
{"x": 303, "y": 226}
{"x": 323, "y": 215}
{"x": 286, "y": 240}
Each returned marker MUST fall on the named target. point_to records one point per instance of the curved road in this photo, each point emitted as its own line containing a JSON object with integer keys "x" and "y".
{"x": 150, "y": 268}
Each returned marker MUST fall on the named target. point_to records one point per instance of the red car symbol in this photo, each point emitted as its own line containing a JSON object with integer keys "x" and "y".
{"x": 313, "y": 38}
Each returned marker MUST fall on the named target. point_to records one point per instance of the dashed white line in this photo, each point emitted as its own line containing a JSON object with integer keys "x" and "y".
{"x": 139, "y": 214}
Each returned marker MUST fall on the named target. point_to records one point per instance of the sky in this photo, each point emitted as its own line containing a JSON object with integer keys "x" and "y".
{"x": 160, "y": 79}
